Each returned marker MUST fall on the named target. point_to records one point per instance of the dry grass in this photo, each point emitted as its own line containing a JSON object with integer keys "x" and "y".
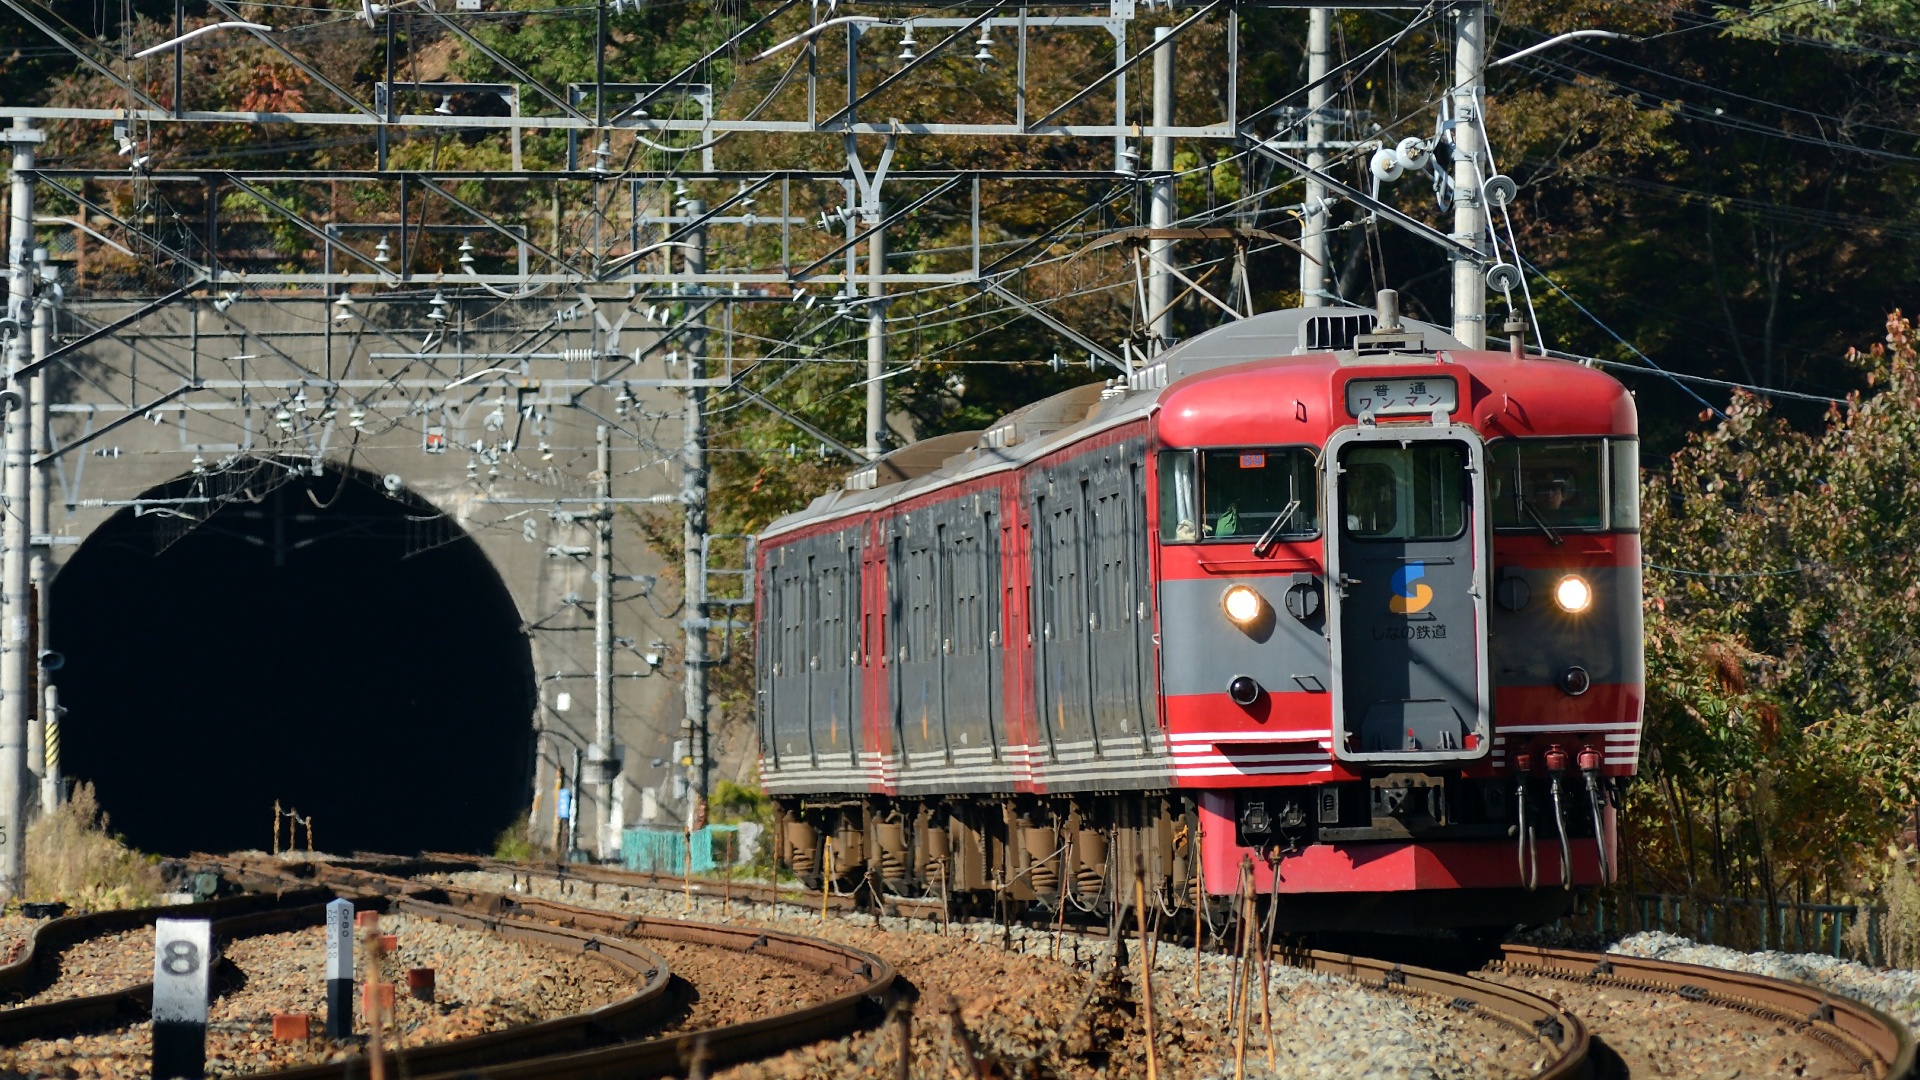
{"x": 72, "y": 856}
{"x": 1901, "y": 936}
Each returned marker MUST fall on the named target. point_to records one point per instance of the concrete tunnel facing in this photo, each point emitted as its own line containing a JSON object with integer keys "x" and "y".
{"x": 345, "y": 649}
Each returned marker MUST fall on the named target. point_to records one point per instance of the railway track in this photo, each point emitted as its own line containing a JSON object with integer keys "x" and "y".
{"x": 611, "y": 1040}
{"x": 1865, "y": 1041}
{"x": 866, "y": 996}
{"x": 1550, "y": 999}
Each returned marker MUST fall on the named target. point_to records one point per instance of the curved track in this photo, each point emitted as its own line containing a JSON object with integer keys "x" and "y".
{"x": 530, "y": 1052}
{"x": 1870, "y": 1041}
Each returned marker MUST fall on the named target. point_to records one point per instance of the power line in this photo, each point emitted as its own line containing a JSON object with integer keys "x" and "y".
{"x": 1582, "y": 308}
{"x": 1760, "y": 391}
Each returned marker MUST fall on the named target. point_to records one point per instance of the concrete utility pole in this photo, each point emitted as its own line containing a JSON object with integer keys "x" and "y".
{"x": 1469, "y": 221}
{"x": 45, "y": 742}
{"x": 693, "y": 494}
{"x": 600, "y": 756}
{"x": 14, "y": 600}
{"x": 1161, "y": 212}
{"x": 1313, "y": 229}
{"x": 876, "y": 338}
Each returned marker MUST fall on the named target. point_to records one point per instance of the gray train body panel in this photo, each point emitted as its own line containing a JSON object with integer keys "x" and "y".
{"x": 1533, "y": 645}
{"x": 1201, "y": 652}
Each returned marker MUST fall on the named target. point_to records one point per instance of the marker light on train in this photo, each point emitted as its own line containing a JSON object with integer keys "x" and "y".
{"x": 1242, "y": 604}
{"x": 1573, "y": 594}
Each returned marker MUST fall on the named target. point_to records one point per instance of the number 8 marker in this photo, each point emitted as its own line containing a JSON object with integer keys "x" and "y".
{"x": 181, "y": 948}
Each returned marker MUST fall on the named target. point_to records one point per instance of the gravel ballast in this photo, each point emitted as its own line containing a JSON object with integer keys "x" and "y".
{"x": 1022, "y": 994}
{"x": 100, "y": 965}
{"x": 1891, "y": 990}
{"x": 484, "y": 983}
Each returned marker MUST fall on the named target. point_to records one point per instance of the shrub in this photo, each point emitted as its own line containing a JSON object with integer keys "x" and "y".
{"x": 73, "y": 857}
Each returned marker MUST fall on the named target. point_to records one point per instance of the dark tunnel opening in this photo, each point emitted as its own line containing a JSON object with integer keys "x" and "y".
{"x": 346, "y": 650}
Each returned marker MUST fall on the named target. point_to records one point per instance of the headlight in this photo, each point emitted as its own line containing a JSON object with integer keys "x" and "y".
{"x": 1242, "y": 604}
{"x": 1573, "y": 594}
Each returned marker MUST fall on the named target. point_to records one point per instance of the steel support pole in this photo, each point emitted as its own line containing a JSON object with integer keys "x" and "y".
{"x": 693, "y": 493}
{"x": 876, "y": 338}
{"x": 600, "y": 754}
{"x": 1313, "y": 215}
{"x": 14, "y": 706}
{"x": 1161, "y": 212}
{"x": 1469, "y": 71}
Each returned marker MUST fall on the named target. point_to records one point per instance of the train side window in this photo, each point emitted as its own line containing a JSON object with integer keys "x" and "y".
{"x": 1179, "y": 497}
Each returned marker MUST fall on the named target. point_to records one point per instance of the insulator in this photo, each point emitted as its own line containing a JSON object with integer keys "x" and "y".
{"x": 577, "y": 356}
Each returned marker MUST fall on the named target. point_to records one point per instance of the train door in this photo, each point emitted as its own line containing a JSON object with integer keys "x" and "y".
{"x": 1060, "y": 646}
{"x": 993, "y": 644}
{"x": 919, "y": 701}
{"x": 1145, "y": 662}
{"x": 833, "y": 717}
{"x": 786, "y": 586}
{"x": 1112, "y": 664}
{"x": 968, "y": 681}
{"x": 1408, "y": 614}
{"x": 853, "y": 599}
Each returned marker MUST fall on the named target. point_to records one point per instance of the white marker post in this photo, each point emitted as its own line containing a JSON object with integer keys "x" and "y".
{"x": 182, "y": 951}
{"x": 339, "y": 969}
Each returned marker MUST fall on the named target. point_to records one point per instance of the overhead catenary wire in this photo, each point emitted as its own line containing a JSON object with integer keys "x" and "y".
{"x": 1597, "y": 321}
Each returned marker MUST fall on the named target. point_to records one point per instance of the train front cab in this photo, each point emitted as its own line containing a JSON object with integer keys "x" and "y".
{"x": 1405, "y": 666}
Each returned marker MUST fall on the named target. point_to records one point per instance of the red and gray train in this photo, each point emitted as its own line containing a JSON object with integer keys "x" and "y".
{"x": 1320, "y": 599}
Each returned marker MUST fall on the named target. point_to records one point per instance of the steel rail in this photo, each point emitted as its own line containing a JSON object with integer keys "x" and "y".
{"x": 1875, "y": 1043}
{"x": 862, "y": 1004}
{"x": 1560, "y": 1032}
{"x": 753, "y": 892}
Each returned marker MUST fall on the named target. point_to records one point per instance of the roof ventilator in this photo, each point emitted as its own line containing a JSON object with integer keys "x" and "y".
{"x": 1334, "y": 333}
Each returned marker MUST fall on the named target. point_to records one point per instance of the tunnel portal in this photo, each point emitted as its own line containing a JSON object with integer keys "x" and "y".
{"x": 334, "y": 642}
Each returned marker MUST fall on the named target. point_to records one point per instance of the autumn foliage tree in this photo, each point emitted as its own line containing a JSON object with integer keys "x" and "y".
{"x": 1783, "y": 713}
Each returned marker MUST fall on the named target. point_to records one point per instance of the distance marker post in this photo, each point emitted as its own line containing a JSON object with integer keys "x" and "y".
{"x": 182, "y": 950}
{"x": 339, "y": 969}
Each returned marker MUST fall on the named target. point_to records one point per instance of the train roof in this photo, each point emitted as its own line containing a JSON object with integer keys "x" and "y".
{"x": 1194, "y": 377}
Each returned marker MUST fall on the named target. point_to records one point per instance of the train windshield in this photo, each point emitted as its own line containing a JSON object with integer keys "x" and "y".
{"x": 1238, "y": 495}
{"x": 1573, "y": 484}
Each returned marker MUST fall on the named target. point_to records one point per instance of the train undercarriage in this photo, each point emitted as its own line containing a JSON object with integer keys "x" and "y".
{"x": 1022, "y": 854}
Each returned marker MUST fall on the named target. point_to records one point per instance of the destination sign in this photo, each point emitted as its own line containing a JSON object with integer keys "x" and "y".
{"x": 1402, "y": 396}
